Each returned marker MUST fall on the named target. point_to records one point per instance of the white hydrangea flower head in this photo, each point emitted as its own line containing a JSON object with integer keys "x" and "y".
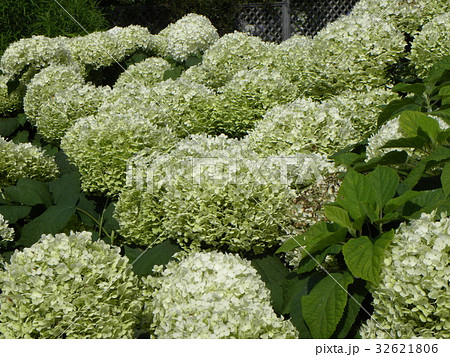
{"x": 68, "y": 285}
{"x": 134, "y": 38}
{"x": 214, "y": 295}
{"x": 190, "y": 36}
{"x": 58, "y": 113}
{"x": 406, "y": 15}
{"x": 146, "y": 73}
{"x": 431, "y": 44}
{"x": 391, "y": 130}
{"x": 412, "y": 299}
{"x": 46, "y": 84}
{"x": 6, "y": 232}
{"x": 37, "y": 52}
{"x": 232, "y": 53}
{"x": 353, "y": 53}
{"x": 13, "y": 101}
{"x": 24, "y": 160}
{"x": 100, "y": 145}
{"x": 208, "y": 192}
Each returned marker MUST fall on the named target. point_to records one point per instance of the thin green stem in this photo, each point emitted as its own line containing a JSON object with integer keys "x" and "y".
{"x": 96, "y": 222}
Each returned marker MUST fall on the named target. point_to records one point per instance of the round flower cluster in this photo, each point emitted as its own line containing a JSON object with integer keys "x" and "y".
{"x": 179, "y": 104}
{"x": 245, "y": 99}
{"x": 431, "y": 44}
{"x": 100, "y": 145}
{"x": 353, "y": 53}
{"x": 46, "y": 84}
{"x": 37, "y": 52}
{"x": 56, "y": 115}
{"x": 24, "y": 160}
{"x": 407, "y": 15}
{"x": 6, "y": 232}
{"x": 391, "y": 130}
{"x": 145, "y": 73}
{"x": 208, "y": 192}
{"x": 413, "y": 297}
{"x": 189, "y": 36}
{"x": 13, "y": 101}
{"x": 214, "y": 295}
{"x": 133, "y": 38}
{"x": 69, "y": 286}
{"x": 230, "y": 54}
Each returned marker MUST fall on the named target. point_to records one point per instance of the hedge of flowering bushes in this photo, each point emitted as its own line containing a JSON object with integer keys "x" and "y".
{"x": 187, "y": 185}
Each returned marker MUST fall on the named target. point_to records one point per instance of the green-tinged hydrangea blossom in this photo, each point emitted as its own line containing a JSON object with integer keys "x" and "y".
{"x": 24, "y": 160}
{"x": 406, "y": 15}
{"x": 413, "y": 297}
{"x": 36, "y": 53}
{"x": 232, "y": 53}
{"x": 133, "y": 38}
{"x": 189, "y": 36}
{"x": 64, "y": 108}
{"x": 13, "y": 101}
{"x": 353, "y": 53}
{"x": 214, "y": 295}
{"x": 391, "y": 130}
{"x": 6, "y": 232}
{"x": 46, "y": 84}
{"x": 69, "y": 286}
{"x": 245, "y": 99}
{"x": 211, "y": 192}
{"x": 145, "y": 73}
{"x": 431, "y": 44}
{"x": 179, "y": 104}
{"x": 100, "y": 146}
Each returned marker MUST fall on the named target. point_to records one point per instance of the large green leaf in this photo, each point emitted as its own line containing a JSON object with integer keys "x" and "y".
{"x": 308, "y": 263}
{"x": 272, "y": 272}
{"x": 445, "y": 179}
{"x": 355, "y": 188}
{"x": 397, "y": 202}
{"x": 144, "y": 261}
{"x": 324, "y": 306}
{"x": 395, "y": 107}
{"x": 413, "y": 123}
{"x": 8, "y": 126}
{"x": 384, "y": 181}
{"x": 338, "y": 215}
{"x": 364, "y": 258}
{"x": 52, "y": 221}
{"x": 14, "y": 213}
{"x": 66, "y": 190}
{"x": 391, "y": 158}
{"x": 29, "y": 192}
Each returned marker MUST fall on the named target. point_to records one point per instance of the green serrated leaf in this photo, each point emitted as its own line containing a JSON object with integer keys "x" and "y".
{"x": 324, "y": 306}
{"x": 21, "y": 137}
{"x": 66, "y": 190}
{"x": 384, "y": 182}
{"x": 29, "y": 192}
{"x": 395, "y": 203}
{"x": 86, "y": 211}
{"x": 416, "y": 142}
{"x": 144, "y": 261}
{"x": 272, "y": 272}
{"x": 338, "y": 215}
{"x": 364, "y": 258}
{"x": 308, "y": 263}
{"x": 395, "y": 107}
{"x": 14, "y": 213}
{"x": 413, "y": 123}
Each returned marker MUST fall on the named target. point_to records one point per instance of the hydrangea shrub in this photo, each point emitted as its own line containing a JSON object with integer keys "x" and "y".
{"x": 69, "y": 286}
{"x": 413, "y": 297}
{"x": 209, "y": 192}
{"x": 145, "y": 73}
{"x": 24, "y": 160}
{"x": 6, "y": 232}
{"x": 431, "y": 44}
{"x": 214, "y": 295}
{"x": 189, "y": 36}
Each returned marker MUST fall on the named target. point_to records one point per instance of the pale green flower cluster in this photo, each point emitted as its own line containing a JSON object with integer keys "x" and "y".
{"x": 24, "y": 160}
{"x": 406, "y": 15}
{"x": 431, "y": 44}
{"x": 231, "y": 54}
{"x": 133, "y": 38}
{"x": 6, "y": 232}
{"x": 56, "y": 115}
{"x": 13, "y": 101}
{"x": 353, "y": 53}
{"x": 413, "y": 297}
{"x": 69, "y": 286}
{"x": 208, "y": 192}
{"x": 391, "y": 130}
{"x": 99, "y": 145}
{"x": 189, "y": 36}
{"x": 145, "y": 73}
{"x": 36, "y": 52}
{"x": 214, "y": 295}
{"x": 245, "y": 99}
{"x": 46, "y": 84}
